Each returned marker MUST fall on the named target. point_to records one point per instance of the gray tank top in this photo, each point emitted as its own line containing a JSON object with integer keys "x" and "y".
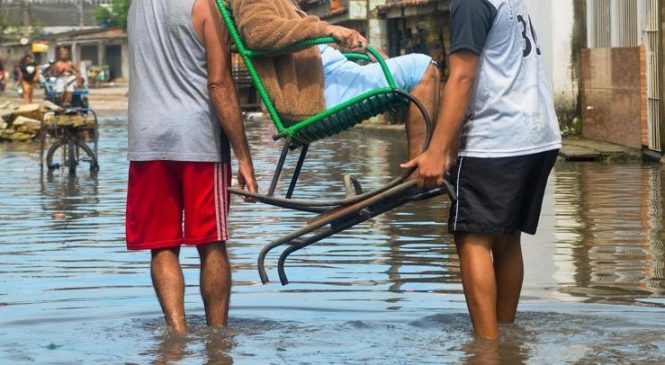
{"x": 171, "y": 116}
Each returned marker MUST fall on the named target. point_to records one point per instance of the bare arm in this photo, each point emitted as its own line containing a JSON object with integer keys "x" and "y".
{"x": 208, "y": 24}
{"x": 441, "y": 155}
{"x": 77, "y": 72}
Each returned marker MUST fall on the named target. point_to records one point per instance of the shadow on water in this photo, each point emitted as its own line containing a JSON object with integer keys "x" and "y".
{"x": 384, "y": 292}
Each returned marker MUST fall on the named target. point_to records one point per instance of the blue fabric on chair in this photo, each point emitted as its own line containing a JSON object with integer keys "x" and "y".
{"x": 344, "y": 79}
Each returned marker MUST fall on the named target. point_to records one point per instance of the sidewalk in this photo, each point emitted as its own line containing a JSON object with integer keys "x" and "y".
{"x": 582, "y": 149}
{"x": 111, "y": 101}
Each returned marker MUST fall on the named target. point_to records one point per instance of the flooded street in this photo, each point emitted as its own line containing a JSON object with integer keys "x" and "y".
{"x": 385, "y": 292}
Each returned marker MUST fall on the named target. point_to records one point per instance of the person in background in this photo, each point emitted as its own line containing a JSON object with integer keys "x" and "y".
{"x": 184, "y": 115}
{"x": 498, "y": 99}
{"x": 28, "y": 75}
{"x": 3, "y": 76}
{"x": 16, "y": 76}
{"x": 68, "y": 74}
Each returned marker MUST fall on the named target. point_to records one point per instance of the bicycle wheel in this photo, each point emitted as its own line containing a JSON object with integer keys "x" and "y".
{"x": 71, "y": 157}
{"x": 51, "y": 154}
{"x": 89, "y": 158}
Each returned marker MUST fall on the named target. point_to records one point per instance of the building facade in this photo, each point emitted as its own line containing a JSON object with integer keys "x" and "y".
{"x": 47, "y": 13}
{"x": 561, "y": 29}
{"x": 361, "y": 15}
{"x": 90, "y": 47}
{"x": 423, "y": 26}
{"x": 622, "y": 71}
{"x": 95, "y": 47}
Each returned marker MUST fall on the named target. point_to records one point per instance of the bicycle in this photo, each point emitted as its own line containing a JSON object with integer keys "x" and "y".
{"x": 70, "y": 139}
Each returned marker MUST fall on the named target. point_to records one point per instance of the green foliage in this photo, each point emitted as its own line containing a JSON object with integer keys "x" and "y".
{"x": 115, "y": 15}
{"x": 4, "y": 25}
{"x": 12, "y": 32}
{"x": 574, "y": 129}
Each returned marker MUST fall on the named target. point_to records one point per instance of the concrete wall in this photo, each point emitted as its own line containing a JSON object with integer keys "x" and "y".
{"x": 556, "y": 23}
{"x": 614, "y": 95}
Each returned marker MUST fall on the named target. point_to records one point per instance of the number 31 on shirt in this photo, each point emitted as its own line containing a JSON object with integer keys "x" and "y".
{"x": 529, "y": 42}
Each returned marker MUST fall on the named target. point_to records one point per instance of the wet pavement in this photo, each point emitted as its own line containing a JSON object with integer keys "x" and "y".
{"x": 385, "y": 292}
{"x": 584, "y": 149}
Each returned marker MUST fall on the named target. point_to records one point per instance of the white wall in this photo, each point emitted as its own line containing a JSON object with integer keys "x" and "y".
{"x": 554, "y": 24}
{"x": 378, "y": 28}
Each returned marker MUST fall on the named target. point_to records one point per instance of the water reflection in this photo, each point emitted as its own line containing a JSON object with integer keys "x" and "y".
{"x": 485, "y": 352}
{"x": 72, "y": 196}
{"x": 610, "y": 230}
{"x": 210, "y": 346}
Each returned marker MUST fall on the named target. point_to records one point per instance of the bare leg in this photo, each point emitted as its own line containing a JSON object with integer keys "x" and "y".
{"x": 215, "y": 282}
{"x": 169, "y": 285}
{"x": 479, "y": 281}
{"x": 31, "y": 92}
{"x": 427, "y": 91}
{"x": 27, "y": 92}
{"x": 509, "y": 271}
{"x": 67, "y": 98}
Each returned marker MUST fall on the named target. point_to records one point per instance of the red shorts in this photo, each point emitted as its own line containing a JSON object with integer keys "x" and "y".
{"x": 170, "y": 203}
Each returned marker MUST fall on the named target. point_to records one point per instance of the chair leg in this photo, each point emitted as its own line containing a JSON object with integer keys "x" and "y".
{"x": 340, "y": 214}
{"x": 295, "y": 246}
{"x": 296, "y": 173}
{"x": 340, "y": 222}
{"x": 280, "y": 166}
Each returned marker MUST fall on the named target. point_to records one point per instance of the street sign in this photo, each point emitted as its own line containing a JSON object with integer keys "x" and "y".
{"x": 39, "y": 47}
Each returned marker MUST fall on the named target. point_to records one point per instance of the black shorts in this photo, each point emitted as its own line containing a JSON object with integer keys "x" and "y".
{"x": 500, "y": 196}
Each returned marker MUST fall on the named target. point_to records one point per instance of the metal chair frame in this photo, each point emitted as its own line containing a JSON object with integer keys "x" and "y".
{"x": 334, "y": 215}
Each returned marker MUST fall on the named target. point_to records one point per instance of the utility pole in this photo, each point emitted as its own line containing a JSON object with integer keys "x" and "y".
{"x": 26, "y": 13}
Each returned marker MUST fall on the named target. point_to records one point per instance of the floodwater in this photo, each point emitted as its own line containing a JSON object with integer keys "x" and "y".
{"x": 385, "y": 292}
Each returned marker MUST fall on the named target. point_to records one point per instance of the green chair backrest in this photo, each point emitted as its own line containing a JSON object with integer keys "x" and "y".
{"x": 245, "y": 54}
{"x": 294, "y": 129}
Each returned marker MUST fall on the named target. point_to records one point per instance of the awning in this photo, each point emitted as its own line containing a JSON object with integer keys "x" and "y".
{"x": 413, "y": 8}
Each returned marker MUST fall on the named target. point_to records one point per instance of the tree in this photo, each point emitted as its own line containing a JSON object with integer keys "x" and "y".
{"x": 114, "y": 15}
{"x": 4, "y": 27}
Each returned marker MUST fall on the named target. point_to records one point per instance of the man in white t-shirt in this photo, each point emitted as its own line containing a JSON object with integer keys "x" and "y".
{"x": 498, "y": 136}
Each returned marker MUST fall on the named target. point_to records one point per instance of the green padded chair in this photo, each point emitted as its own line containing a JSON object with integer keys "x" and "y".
{"x": 334, "y": 215}
{"x": 300, "y": 134}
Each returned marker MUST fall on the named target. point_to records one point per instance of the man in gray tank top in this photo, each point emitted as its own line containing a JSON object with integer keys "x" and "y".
{"x": 183, "y": 117}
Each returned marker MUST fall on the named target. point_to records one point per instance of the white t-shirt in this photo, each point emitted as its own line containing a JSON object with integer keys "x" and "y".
{"x": 511, "y": 112}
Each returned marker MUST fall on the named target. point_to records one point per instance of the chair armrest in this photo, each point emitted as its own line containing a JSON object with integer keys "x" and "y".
{"x": 357, "y": 56}
{"x": 292, "y": 48}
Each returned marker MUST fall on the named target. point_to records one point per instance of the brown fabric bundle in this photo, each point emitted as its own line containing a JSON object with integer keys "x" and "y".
{"x": 295, "y": 80}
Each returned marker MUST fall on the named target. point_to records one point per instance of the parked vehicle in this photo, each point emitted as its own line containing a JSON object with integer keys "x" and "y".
{"x": 70, "y": 148}
{"x": 71, "y": 128}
